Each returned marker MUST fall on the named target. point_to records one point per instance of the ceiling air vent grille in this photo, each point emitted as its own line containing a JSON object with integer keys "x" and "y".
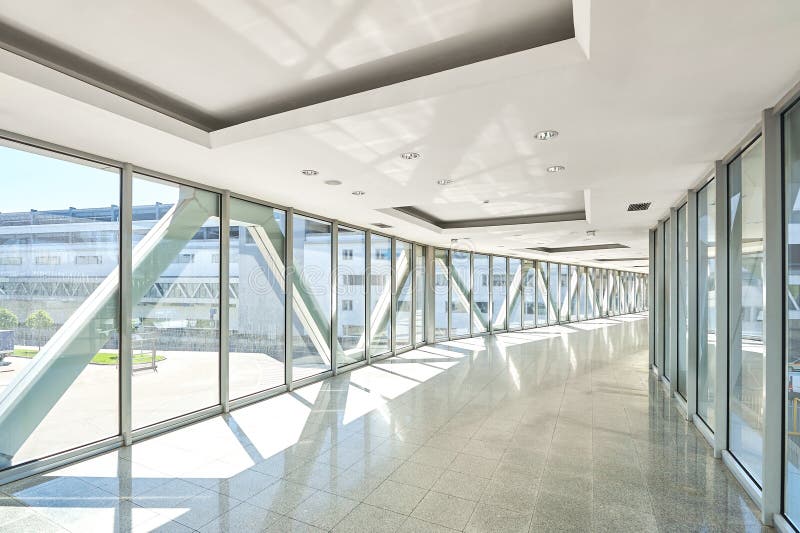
{"x": 381, "y": 225}
{"x": 641, "y": 206}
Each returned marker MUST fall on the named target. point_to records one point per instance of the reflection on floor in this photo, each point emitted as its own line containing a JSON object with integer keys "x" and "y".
{"x": 560, "y": 428}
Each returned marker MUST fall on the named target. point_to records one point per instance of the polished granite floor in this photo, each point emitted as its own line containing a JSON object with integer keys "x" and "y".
{"x": 555, "y": 429}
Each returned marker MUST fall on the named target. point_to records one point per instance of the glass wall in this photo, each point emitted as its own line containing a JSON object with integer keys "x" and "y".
{"x": 441, "y": 294}
{"x": 480, "y": 293}
{"x": 499, "y": 293}
{"x": 59, "y": 251}
{"x": 554, "y": 291}
{"x": 60, "y": 300}
{"x": 706, "y": 302}
{"x": 746, "y": 308}
{"x": 403, "y": 284}
{"x": 460, "y": 276}
{"x": 514, "y": 293}
{"x": 528, "y": 294}
{"x": 380, "y": 294}
{"x": 311, "y": 320}
{"x": 683, "y": 300}
{"x": 351, "y": 307}
{"x": 419, "y": 293}
{"x": 257, "y": 298}
{"x": 175, "y": 300}
{"x": 542, "y": 298}
{"x": 573, "y": 293}
{"x": 791, "y": 139}
{"x": 582, "y": 294}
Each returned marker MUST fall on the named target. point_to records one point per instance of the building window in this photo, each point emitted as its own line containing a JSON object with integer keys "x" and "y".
{"x": 347, "y": 255}
{"x": 48, "y": 260}
{"x": 347, "y": 305}
{"x": 10, "y": 260}
{"x": 184, "y": 258}
{"x": 88, "y": 260}
{"x": 215, "y": 258}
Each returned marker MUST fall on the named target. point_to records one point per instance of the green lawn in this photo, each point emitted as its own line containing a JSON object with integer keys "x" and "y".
{"x": 101, "y": 358}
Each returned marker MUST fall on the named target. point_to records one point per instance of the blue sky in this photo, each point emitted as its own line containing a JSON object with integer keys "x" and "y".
{"x": 32, "y": 181}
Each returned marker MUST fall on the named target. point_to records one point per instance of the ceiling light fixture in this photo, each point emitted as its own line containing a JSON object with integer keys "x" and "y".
{"x": 359, "y": 193}
{"x": 309, "y": 172}
{"x": 410, "y": 155}
{"x": 333, "y": 182}
{"x": 445, "y": 181}
{"x": 546, "y": 135}
{"x": 556, "y": 168}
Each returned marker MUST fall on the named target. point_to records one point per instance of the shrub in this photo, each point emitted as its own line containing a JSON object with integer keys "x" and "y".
{"x": 8, "y": 320}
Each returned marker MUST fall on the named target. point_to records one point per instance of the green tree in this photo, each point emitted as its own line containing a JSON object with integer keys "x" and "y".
{"x": 8, "y": 320}
{"x": 39, "y": 320}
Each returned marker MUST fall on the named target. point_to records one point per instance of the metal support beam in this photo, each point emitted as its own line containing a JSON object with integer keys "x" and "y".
{"x": 335, "y": 348}
{"x": 125, "y": 309}
{"x": 289, "y": 301}
{"x": 721, "y": 276}
{"x": 691, "y": 305}
{"x": 773, "y": 318}
{"x": 224, "y": 290}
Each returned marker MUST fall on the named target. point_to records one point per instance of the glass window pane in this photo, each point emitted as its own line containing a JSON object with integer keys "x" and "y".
{"x": 683, "y": 300}
{"x": 499, "y": 295}
{"x": 542, "y": 298}
{"x": 441, "y": 294}
{"x": 175, "y": 300}
{"x": 791, "y": 132}
{"x": 746, "y": 308}
{"x": 311, "y": 315}
{"x": 59, "y": 244}
{"x": 419, "y": 293}
{"x": 514, "y": 293}
{"x": 573, "y": 293}
{"x": 380, "y": 294}
{"x": 256, "y": 304}
{"x": 480, "y": 294}
{"x": 582, "y": 293}
{"x": 706, "y": 302}
{"x": 351, "y": 288}
{"x": 667, "y": 300}
{"x": 529, "y": 294}
{"x": 459, "y": 293}
{"x": 403, "y": 293}
{"x": 563, "y": 294}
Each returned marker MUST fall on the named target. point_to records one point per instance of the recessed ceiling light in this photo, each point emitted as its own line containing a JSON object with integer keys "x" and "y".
{"x": 359, "y": 193}
{"x": 410, "y": 155}
{"x": 546, "y": 135}
{"x": 333, "y": 182}
{"x": 309, "y": 172}
{"x": 518, "y": 235}
{"x": 486, "y": 201}
{"x": 445, "y": 181}
{"x": 556, "y": 168}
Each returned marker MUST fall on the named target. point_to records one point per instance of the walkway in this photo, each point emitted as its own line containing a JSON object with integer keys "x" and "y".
{"x": 555, "y": 429}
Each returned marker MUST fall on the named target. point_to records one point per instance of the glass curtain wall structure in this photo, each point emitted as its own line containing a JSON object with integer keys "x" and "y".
{"x": 706, "y": 302}
{"x": 380, "y": 294}
{"x": 257, "y": 302}
{"x": 514, "y": 293}
{"x": 460, "y": 286}
{"x": 403, "y": 285}
{"x": 420, "y": 284}
{"x": 480, "y": 293}
{"x": 683, "y": 300}
{"x": 746, "y": 308}
{"x": 563, "y": 294}
{"x": 311, "y": 323}
{"x": 225, "y": 301}
{"x": 542, "y": 295}
{"x": 351, "y": 297}
{"x": 553, "y": 292}
{"x": 743, "y": 233}
{"x": 791, "y": 397}
{"x": 528, "y": 294}
{"x": 499, "y": 293}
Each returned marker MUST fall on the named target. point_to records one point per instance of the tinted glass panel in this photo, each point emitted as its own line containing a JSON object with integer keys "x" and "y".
{"x": 514, "y": 293}
{"x": 441, "y": 294}
{"x": 480, "y": 293}
{"x": 460, "y": 286}
{"x": 380, "y": 294}
{"x": 403, "y": 293}
{"x": 706, "y": 302}
{"x": 351, "y": 297}
{"x": 499, "y": 294}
